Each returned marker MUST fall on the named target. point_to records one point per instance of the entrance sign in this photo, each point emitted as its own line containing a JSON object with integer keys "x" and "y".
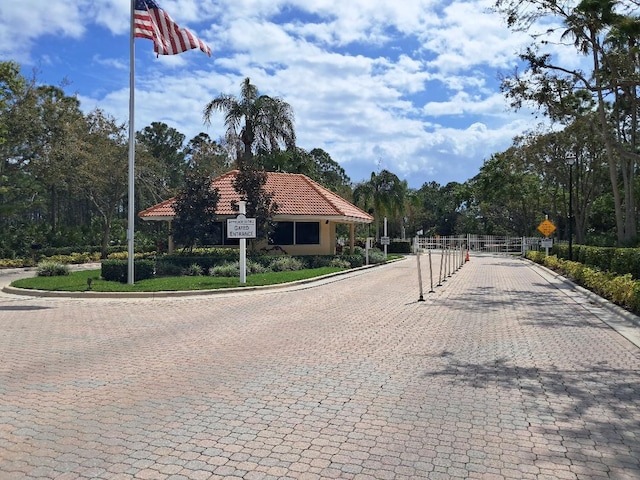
{"x": 546, "y": 228}
{"x": 241, "y": 227}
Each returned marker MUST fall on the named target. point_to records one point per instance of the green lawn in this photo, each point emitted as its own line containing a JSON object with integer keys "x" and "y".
{"x": 78, "y": 281}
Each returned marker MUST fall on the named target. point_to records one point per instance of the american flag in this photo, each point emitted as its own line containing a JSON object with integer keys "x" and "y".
{"x": 151, "y": 22}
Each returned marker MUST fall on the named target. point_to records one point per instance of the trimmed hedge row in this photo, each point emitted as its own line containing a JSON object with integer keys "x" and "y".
{"x": 399, "y": 247}
{"x": 118, "y": 270}
{"x": 609, "y": 259}
{"x": 177, "y": 264}
{"x": 622, "y": 290}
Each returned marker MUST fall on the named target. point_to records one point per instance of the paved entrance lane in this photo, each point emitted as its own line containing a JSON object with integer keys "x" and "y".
{"x": 498, "y": 374}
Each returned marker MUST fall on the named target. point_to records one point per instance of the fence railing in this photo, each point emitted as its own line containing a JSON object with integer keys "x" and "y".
{"x": 479, "y": 243}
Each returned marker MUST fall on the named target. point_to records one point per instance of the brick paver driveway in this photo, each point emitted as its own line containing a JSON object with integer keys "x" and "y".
{"x": 498, "y": 374}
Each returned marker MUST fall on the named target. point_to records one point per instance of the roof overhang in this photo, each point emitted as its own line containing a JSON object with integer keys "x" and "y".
{"x": 281, "y": 218}
{"x": 158, "y": 218}
{"x": 310, "y": 218}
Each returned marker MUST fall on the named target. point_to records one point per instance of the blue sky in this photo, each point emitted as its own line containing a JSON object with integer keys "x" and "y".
{"x": 410, "y": 86}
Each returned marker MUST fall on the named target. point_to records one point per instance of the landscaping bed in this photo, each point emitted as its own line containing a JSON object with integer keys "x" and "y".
{"x": 623, "y": 290}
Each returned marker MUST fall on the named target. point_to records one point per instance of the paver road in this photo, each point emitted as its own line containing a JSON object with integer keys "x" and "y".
{"x": 502, "y": 373}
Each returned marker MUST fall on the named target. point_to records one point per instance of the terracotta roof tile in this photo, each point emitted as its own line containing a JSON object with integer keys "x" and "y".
{"x": 295, "y": 194}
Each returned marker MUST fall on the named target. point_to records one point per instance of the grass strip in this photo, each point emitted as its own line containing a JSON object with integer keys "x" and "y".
{"x": 79, "y": 281}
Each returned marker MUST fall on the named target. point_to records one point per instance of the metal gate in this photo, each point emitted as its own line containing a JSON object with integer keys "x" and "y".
{"x": 480, "y": 243}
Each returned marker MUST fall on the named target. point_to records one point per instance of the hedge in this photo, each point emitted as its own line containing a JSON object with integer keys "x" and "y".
{"x": 399, "y": 247}
{"x": 118, "y": 270}
{"x": 609, "y": 259}
{"x": 175, "y": 263}
{"x": 622, "y": 290}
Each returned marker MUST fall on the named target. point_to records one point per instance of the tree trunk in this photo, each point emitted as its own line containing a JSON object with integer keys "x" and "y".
{"x": 608, "y": 143}
{"x": 53, "y": 212}
{"x": 629, "y": 201}
{"x": 106, "y": 233}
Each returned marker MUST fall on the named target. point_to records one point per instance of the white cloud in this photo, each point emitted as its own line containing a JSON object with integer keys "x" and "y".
{"x": 410, "y": 86}
{"x": 463, "y": 103}
{"x": 24, "y": 22}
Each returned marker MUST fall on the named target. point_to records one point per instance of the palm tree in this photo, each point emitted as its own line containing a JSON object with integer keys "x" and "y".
{"x": 258, "y": 122}
{"x": 384, "y": 193}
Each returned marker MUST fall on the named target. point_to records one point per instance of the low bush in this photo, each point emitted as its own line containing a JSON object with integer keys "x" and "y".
{"x": 225, "y": 270}
{"x": 185, "y": 261}
{"x": 194, "y": 270}
{"x": 354, "y": 260}
{"x": 623, "y": 290}
{"x": 376, "y": 256}
{"x": 255, "y": 267}
{"x": 76, "y": 258}
{"x": 286, "y": 264}
{"x": 317, "y": 261}
{"x": 50, "y": 268}
{"x": 118, "y": 270}
{"x": 167, "y": 269}
{"x": 609, "y": 259}
{"x": 339, "y": 263}
{"x": 399, "y": 247}
{"x": 136, "y": 255}
{"x": 232, "y": 269}
{"x": 15, "y": 262}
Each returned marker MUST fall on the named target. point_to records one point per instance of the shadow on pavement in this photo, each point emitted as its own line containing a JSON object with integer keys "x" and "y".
{"x": 584, "y": 405}
{"x": 22, "y": 307}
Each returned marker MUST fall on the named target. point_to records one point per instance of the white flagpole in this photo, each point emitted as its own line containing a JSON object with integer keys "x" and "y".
{"x": 132, "y": 150}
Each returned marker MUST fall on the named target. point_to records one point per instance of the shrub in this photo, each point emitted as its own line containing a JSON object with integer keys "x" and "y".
{"x": 167, "y": 269}
{"x": 14, "y": 262}
{"x": 622, "y": 290}
{"x": 183, "y": 262}
{"x": 399, "y": 247}
{"x": 354, "y": 260}
{"x": 535, "y": 256}
{"x": 340, "y": 263}
{"x": 143, "y": 269}
{"x": 318, "y": 261}
{"x": 254, "y": 267}
{"x": 286, "y": 264}
{"x": 49, "y": 268}
{"x": 225, "y": 270}
{"x": 376, "y": 255}
{"x": 74, "y": 258}
{"x": 194, "y": 270}
{"x": 125, "y": 255}
{"x": 117, "y": 270}
{"x": 258, "y": 258}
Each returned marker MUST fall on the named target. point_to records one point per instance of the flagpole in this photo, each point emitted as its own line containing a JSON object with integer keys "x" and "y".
{"x": 130, "y": 229}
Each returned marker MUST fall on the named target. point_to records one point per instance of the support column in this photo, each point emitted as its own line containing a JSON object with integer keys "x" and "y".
{"x": 170, "y": 246}
{"x": 352, "y": 238}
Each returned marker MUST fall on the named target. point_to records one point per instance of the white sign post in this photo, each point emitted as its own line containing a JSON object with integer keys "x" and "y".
{"x": 242, "y": 228}
{"x": 386, "y": 238}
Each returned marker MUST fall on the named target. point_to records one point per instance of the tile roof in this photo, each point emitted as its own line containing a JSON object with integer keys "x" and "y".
{"x": 295, "y": 194}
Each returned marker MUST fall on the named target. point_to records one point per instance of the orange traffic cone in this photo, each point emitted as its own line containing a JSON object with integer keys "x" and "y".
{"x": 466, "y": 259}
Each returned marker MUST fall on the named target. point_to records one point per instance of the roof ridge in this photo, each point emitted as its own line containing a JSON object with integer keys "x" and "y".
{"x": 333, "y": 197}
{"x": 327, "y": 194}
{"x": 157, "y": 205}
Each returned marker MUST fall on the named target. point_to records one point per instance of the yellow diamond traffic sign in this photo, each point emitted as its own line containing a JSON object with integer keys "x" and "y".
{"x": 546, "y": 228}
